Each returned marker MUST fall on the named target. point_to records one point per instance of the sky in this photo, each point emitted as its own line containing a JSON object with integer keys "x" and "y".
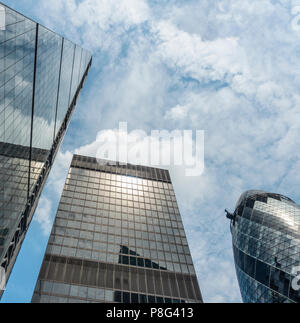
{"x": 230, "y": 68}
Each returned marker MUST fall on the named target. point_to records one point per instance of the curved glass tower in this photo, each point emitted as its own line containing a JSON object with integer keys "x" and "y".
{"x": 266, "y": 245}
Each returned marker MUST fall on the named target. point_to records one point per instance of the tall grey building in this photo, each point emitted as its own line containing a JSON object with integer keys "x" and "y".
{"x": 266, "y": 243}
{"x": 41, "y": 75}
{"x": 117, "y": 237}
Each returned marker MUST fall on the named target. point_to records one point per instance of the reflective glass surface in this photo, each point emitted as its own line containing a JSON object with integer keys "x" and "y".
{"x": 118, "y": 230}
{"x": 36, "y": 69}
{"x": 65, "y": 82}
{"x": 266, "y": 243}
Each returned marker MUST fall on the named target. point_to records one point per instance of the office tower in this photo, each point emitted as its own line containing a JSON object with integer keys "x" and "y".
{"x": 41, "y": 75}
{"x": 117, "y": 237}
{"x": 266, "y": 245}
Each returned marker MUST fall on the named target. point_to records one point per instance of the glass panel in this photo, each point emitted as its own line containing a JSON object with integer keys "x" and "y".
{"x": 65, "y": 82}
{"x": 47, "y": 77}
{"x": 130, "y": 255}
{"x": 76, "y": 71}
{"x": 17, "y": 44}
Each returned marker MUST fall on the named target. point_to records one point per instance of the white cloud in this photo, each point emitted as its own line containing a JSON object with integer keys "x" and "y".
{"x": 177, "y": 113}
{"x": 100, "y": 22}
{"x": 43, "y": 215}
{"x": 229, "y": 68}
{"x": 206, "y": 61}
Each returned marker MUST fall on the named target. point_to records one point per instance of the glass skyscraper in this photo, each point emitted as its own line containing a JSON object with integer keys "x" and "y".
{"x": 266, "y": 245}
{"x": 41, "y": 75}
{"x": 117, "y": 237}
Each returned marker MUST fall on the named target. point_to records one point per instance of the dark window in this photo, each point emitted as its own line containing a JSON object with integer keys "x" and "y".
{"x": 148, "y": 263}
{"x": 249, "y": 266}
{"x": 143, "y": 298}
{"x": 118, "y": 297}
{"x": 132, "y": 261}
{"x": 140, "y": 262}
{"x": 240, "y": 210}
{"x": 262, "y": 273}
{"x": 134, "y": 298}
{"x": 126, "y": 297}
{"x": 263, "y": 199}
{"x": 151, "y": 299}
{"x": 250, "y": 203}
{"x": 125, "y": 260}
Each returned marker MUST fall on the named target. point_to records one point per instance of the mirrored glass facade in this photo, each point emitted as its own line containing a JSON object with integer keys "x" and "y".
{"x": 41, "y": 75}
{"x": 266, "y": 245}
{"x": 117, "y": 237}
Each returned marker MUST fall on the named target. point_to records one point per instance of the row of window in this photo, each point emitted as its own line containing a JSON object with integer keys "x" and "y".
{"x": 120, "y": 205}
{"x": 100, "y": 274}
{"x": 112, "y": 243}
{"x": 97, "y": 199}
{"x": 111, "y": 187}
{"x": 267, "y": 275}
{"x": 124, "y": 229}
{"x": 93, "y": 176}
{"x": 125, "y": 221}
{"x": 120, "y": 198}
{"x": 141, "y": 172}
{"x": 99, "y": 188}
{"x": 254, "y": 292}
{"x": 261, "y": 241}
{"x": 137, "y": 215}
{"x": 100, "y": 183}
{"x": 109, "y": 236}
{"x": 45, "y": 292}
{"x": 176, "y": 265}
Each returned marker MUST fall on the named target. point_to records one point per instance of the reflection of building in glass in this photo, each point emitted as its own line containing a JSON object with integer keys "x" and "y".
{"x": 118, "y": 237}
{"x": 41, "y": 75}
{"x": 2, "y": 17}
{"x": 266, "y": 244}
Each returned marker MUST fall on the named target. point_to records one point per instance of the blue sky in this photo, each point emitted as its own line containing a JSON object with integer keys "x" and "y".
{"x": 230, "y": 68}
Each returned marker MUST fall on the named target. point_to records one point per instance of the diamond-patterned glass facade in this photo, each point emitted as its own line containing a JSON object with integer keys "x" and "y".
{"x": 266, "y": 244}
{"x": 41, "y": 75}
{"x": 117, "y": 237}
